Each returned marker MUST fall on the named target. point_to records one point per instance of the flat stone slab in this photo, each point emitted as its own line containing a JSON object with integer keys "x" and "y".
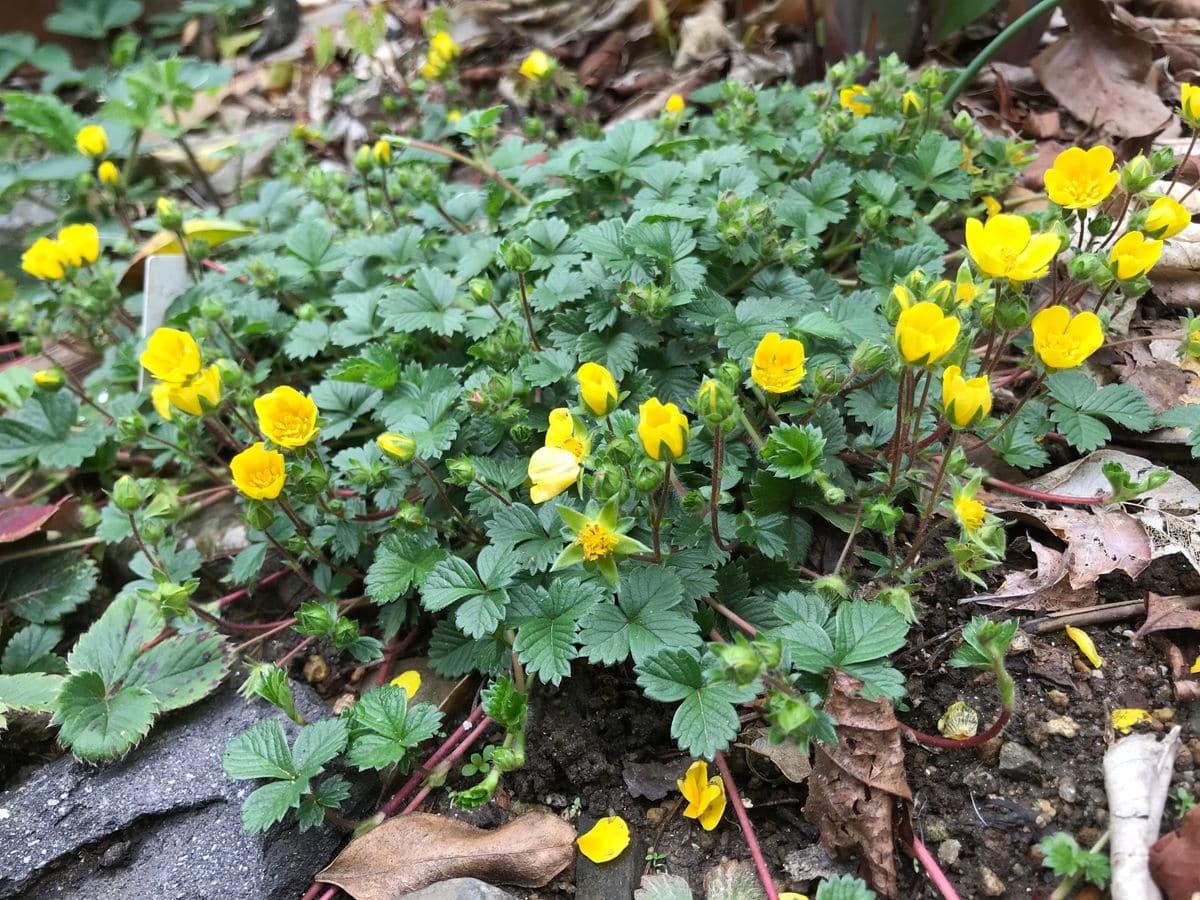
{"x": 162, "y": 823}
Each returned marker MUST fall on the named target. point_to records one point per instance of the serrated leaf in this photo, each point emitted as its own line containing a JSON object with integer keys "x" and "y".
{"x": 546, "y": 640}
{"x": 261, "y": 751}
{"x": 427, "y": 305}
{"x": 306, "y": 339}
{"x": 30, "y": 691}
{"x": 96, "y": 725}
{"x": 385, "y": 726}
{"x": 518, "y": 529}
{"x": 32, "y": 650}
{"x": 451, "y": 580}
{"x": 270, "y": 803}
{"x": 401, "y": 562}
{"x": 643, "y": 620}
{"x": 866, "y": 631}
{"x": 935, "y": 164}
{"x": 43, "y": 432}
{"x": 793, "y": 451}
{"x": 110, "y": 646}
{"x": 182, "y": 669}
{"x": 376, "y": 366}
{"x": 317, "y": 744}
{"x": 1085, "y": 433}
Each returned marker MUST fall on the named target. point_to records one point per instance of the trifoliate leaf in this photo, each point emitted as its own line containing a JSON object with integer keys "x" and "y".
{"x": 643, "y": 620}
{"x": 401, "y": 562}
{"x": 317, "y": 744}
{"x": 546, "y": 640}
{"x": 97, "y": 724}
{"x": 385, "y": 726}
{"x": 261, "y": 751}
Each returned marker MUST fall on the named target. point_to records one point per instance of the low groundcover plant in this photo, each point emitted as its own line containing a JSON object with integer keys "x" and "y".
{"x": 589, "y": 410}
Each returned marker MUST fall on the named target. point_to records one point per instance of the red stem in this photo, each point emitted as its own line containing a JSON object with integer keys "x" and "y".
{"x": 449, "y": 762}
{"x": 951, "y": 744}
{"x": 158, "y": 639}
{"x": 756, "y": 854}
{"x": 1045, "y": 498}
{"x": 396, "y": 650}
{"x": 436, "y": 757}
{"x": 936, "y": 875}
{"x": 222, "y": 602}
{"x": 287, "y": 657}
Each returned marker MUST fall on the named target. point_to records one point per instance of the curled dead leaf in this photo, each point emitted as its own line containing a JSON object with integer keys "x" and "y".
{"x": 407, "y": 853}
{"x": 1044, "y": 587}
{"x": 853, "y": 787}
{"x": 1173, "y": 859}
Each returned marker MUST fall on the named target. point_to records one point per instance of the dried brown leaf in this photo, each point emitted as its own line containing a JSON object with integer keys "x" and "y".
{"x": 1043, "y": 588}
{"x": 1105, "y": 53}
{"x": 1167, "y": 614}
{"x": 854, "y": 786}
{"x": 407, "y": 853}
{"x": 1174, "y": 859}
{"x": 787, "y": 757}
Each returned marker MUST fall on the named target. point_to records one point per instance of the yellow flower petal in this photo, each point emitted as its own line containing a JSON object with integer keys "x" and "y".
{"x": 1195, "y": 669}
{"x": 1085, "y": 645}
{"x": 1123, "y": 720}
{"x": 259, "y": 473}
{"x": 287, "y": 417}
{"x": 410, "y": 681}
{"x": 606, "y": 840}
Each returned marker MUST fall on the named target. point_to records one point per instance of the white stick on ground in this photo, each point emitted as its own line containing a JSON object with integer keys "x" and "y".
{"x": 1137, "y": 773}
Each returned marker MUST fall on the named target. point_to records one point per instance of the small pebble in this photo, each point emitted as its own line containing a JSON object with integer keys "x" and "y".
{"x": 343, "y": 703}
{"x": 1046, "y": 812}
{"x": 1059, "y": 698}
{"x": 989, "y": 751}
{"x": 936, "y": 830}
{"x": 654, "y": 815}
{"x": 1061, "y": 726}
{"x": 1164, "y": 714}
{"x": 316, "y": 669}
{"x": 948, "y": 851}
{"x": 992, "y": 885}
{"x": 1067, "y": 790}
{"x": 357, "y": 675}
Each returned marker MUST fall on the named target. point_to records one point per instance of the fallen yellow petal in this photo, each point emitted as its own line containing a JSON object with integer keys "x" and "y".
{"x": 1085, "y": 645}
{"x": 1195, "y": 666}
{"x": 792, "y": 895}
{"x": 410, "y": 681}
{"x": 605, "y": 842}
{"x": 1123, "y": 720}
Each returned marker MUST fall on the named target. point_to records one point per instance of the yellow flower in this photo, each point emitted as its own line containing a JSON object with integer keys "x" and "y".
{"x": 398, "y": 446}
{"x": 597, "y": 388}
{"x": 992, "y": 205}
{"x": 600, "y": 538}
{"x": 108, "y": 173}
{"x": 1063, "y": 342}
{"x": 597, "y": 541}
{"x": 79, "y": 244}
{"x": 171, "y": 355}
{"x": 43, "y": 260}
{"x": 205, "y": 386}
{"x": 778, "y": 364}
{"x": 959, "y": 722}
{"x": 1003, "y": 247}
{"x": 287, "y": 417}
{"x": 1085, "y": 645}
{"x": 567, "y": 433}
{"x": 258, "y": 473}
{"x": 552, "y": 470}
{"x": 433, "y": 68}
{"x": 910, "y": 104}
{"x": 443, "y": 46}
{"x": 410, "y": 681}
{"x": 1123, "y": 720}
{"x": 1081, "y": 179}
{"x": 705, "y": 796}
{"x": 1132, "y": 255}
{"x": 454, "y": 116}
{"x": 940, "y": 292}
{"x": 1189, "y": 103}
{"x": 381, "y": 152}
{"x": 970, "y": 512}
{"x": 536, "y": 66}
{"x": 662, "y": 428}
{"x": 91, "y": 140}
{"x": 160, "y": 396}
{"x": 606, "y": 840}
{"x": 925, "y": 334}
{"x": 1195, "y": 669}
{"x": 966, "y": 400}
{"x": 855, "y": 99}
{"x": 1167, "y": 217}
{"x": 674, "y": 104}
{"x": 904, "y": 297}
{"x": 792, "y": 895}
{"x": 965, "y": 288}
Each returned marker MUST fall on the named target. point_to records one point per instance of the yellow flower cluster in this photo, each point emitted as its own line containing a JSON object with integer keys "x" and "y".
{"x": 49, "y": 259}
{"x": 442, "y": 52}
{"x": 173, "y": 357}
{"x": 556, "y": 466}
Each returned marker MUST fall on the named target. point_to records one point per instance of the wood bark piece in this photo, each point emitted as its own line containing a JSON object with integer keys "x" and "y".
{"x": 1137, "y": 773}
{"x": 407, "y": 853}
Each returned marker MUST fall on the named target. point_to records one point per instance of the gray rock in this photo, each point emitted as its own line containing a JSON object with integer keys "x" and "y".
{"x": 460, "y": 889}
{"x": 1018, "y": 761}
{"x": 613, "y": 880}
{"x": 948, "y": 851}
{"x": 812, "y": 862}
{"x": 163, "y": 822}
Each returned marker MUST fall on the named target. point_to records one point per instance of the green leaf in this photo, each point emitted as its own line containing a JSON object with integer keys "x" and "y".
{"x": 93, "y": 18}
{"x": 518, "y": 529}
{"x": 376, "y": 366}
{"x": 866, "y": 631}
{"x": 935, "y": 165}
{"x": 384, "y": 727}
{"x": 270, "y": 803}
{"x": 546, "y": 641}
{"x": 32, "y": 650}
{"x": 1081, "y": 403}
{"x": 45, "y": 116}
{"x": 1082, "y": 431}
{"x": 317, "y": 744}
{"x": 401, "y": 562}
{"x": 451, "y": 580}
{"x": 794, "y": 451}
{"x": 644, "y": 620}
{"x": 815, "y": 203}
{"x": 111, "y": 645}
{"x": 341, "y": 404}
{"x": 182, "y": 669}
{"x": 706, "y": 721}
{"x": 43, "y": 433}
{"x": 845, "y": 887}
{"x": 428, "y": 305}
{"x": 306, "y": 339}
{"x": 95, "y": 725}
{"x": 261, "y": 751}
{"x": 313, "y": 244}
{"x": 502, "y": 702}
{"x": 30, "y": 691}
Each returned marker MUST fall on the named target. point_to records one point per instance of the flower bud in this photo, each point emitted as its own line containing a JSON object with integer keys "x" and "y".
{"x": 132, "y": 427}
{"x": 381, "y": 153}
{"x": 911, "y": 104}
{"x": 609, "y": 482}
{"x": 714, "y": 401}
{"x": 876, "y": 216}
{"x": 962, "y": 124}
{"x": 1083, "y": 266}
{"x": 169, "y": 216}
{"x": 868, "y": 357}
{"x": 1012, "y": 311}
{"x": 127, "y": 494}
{"x": 730, "y": 374}
{"x": 171, "y": 598}
{"x": 516, "y": 256}
{"x": 362, "y": 159}
{"x": 259, "y": 516}
{"x": 1137, "y": 175}
{"x": 482, "y": 289}
{"x": 306, "y": 312}
{"x": 212, "y": 308}
{"x": 1101, "y": 225}
{"x": 399, "y": 447}
{"x": 899, "y": 599}
{"x": 930, "y": 78}
{"x": 739, "y": 661}
{"x": 881, "y": 516}
{"x": 770, "y": 652}
{"x": 48, "y": 379}
{"x": 462, "y": 470}
{"x": 1162, "y": 159}
{"x": 649, "y": 475}
{"x": 521, "y": 432}
{"x": 621, "y": 450}
{"x": 789, "y": 714}
{"x": 693, "y": 502}
{"x": 832, "y": 588}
